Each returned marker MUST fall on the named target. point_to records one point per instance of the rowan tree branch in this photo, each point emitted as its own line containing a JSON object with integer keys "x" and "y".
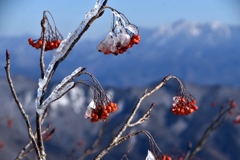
{"x": 145, "y": 117}
{"x": 19, "y": 105}
{"x": 118, "y": 138}
{"x": 26, "y": 149}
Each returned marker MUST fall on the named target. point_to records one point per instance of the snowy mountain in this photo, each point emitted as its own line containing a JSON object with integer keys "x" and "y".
{"x": 199, "y": 53}
{"x": 172, "y": 133}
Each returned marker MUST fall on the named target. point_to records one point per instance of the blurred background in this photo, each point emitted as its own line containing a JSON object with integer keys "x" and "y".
{"x": 197, "y": 41}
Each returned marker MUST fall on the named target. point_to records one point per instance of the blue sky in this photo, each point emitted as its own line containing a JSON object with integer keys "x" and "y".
{"x": 23, "y": 17}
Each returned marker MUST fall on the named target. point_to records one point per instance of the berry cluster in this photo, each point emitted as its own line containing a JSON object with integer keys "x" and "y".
{"x": 102, "y": 112}
{"x": 122, "y": 36}
{"x": 115, "y": 45}
{"x": 164, "y": 157}
{"x": 53, "y": 37}
{"x": 183, "y": 106}
{"x": 49, "y": 45}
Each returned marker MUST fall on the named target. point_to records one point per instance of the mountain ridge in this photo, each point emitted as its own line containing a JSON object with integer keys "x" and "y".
{"x": 199, "y": 53}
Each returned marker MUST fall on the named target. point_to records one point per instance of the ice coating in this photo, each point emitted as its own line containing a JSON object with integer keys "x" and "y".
{"x": 76, "y": 71}
{"x": 132, "y": 28}
{"x": 59, "y": 90}
{"x": 106, "y": 43}
{"x": 112, "y": 42}
{"x": 56, "y": 94}
{"x": 119, "y": 17}
{"x": 124, "y": 38}
{"x": 63, "y": 48}
{"x": 121, "y": 37}
{"x": 41, "y": 84}
{"x": 69, "y": 77}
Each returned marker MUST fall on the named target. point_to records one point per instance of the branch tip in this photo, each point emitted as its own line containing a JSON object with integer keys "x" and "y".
{"x": 7, "y": 54}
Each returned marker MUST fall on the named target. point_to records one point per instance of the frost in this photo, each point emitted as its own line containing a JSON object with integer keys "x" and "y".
{"x": 150, "y": 156}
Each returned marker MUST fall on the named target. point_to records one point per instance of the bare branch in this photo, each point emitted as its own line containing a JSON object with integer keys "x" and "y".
{"x": 145, "y": 117}
{"x": 95, "y": 147}
{"x": 117, "y": 139}
{"x": 39, "y": 136}
{"x": 217, "y": 123}
{"x": 64, "y": 50}
{"x": 20, "y": 107}
{"x": 26, "y": 150}
{"x": 42, "y": 64}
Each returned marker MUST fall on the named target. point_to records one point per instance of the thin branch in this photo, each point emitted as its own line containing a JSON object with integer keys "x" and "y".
{"x": 71, "y": 45}
{"x": 145, "y": 117}
{"x": 43, "y": 25}
{"x": 217, "y": 123}
{"x": 39, "y": 136}
{"x": 128, "y": 151}
{"x": 20, "y": 107}
{"x": 25, "y": 151}
{"x": 117, "y": 139}
{"x": 95, "y": 147}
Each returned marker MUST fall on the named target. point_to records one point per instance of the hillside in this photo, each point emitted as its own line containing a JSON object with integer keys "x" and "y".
{"x": 171, "y": 132}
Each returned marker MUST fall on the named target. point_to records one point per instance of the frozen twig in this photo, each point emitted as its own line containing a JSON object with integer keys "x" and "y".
{"x": 60, "y": 90}
{"x": 20, "y": 107}
{"x": 66, "y": 46}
